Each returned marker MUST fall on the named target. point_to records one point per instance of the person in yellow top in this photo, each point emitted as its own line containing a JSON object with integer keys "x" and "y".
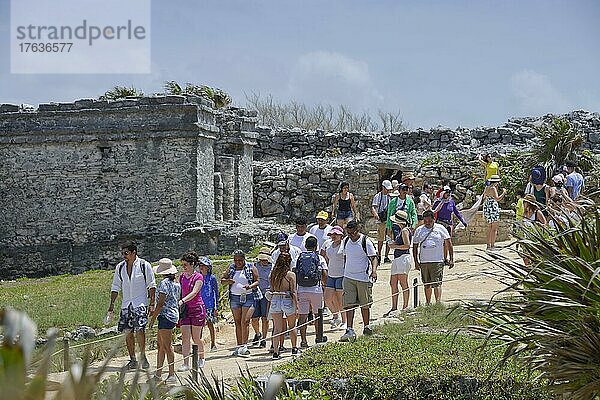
{"x": 491, "y": 167}
{"x": 520, "y": 207}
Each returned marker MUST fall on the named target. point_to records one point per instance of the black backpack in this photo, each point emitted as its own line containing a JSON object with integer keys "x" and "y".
{"x": 307, "y": 269}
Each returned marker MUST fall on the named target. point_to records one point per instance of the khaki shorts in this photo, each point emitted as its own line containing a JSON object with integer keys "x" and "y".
{"x": 309, "y": 301}
{"x": 432, "y": 274}
{"x": 357, "y": 293}
{"x": 381, "y": 230}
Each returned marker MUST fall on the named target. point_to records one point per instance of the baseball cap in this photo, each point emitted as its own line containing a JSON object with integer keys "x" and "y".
{"x": 336, "y": 230}
{"x": 282, "y": 239}
{"x": 387, "y": 184}
{"x": 323, "y": 215}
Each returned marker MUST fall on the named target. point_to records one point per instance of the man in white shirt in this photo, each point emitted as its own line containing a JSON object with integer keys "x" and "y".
{"x": 133, "y": 277}
{"x": 432, "y": 249}
{"x": 284, "y": 246}
{"x": 360, "y": 272}
{"x": 321, "y": 229}
{"x": 311, "y": 277}
{"x": 379, "y": 207}
{"x": 298, "y": 239}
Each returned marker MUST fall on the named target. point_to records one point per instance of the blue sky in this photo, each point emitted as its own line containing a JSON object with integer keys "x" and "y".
{"x": 454, "y": 63}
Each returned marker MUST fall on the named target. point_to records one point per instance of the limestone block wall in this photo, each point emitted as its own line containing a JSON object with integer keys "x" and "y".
{"x": 77, "y": 179}
{"x": 278, "y": 143}
{"x": 476, "y": 232}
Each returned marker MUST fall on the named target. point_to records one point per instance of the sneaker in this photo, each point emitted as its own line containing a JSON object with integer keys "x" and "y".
{"x": 348, "y": 336}
{"x": 387, "y": 314}
{"x": 326, "y": 312}
{"x": 335, "y": 322}
{"x": 276, "y": 356}
{"x": 282, "y": 349}
{"x": 271, "y": 350}
{"x": 171, "y": 380}
{"x": 213, "y": 349}
{"x": 201, "y": 363}
{"x": 183, "y": 368}
{"x": 236, "y": 352}
{"x": 145, "y": 363}
{"x": 387, "y": 259}
{"x": 256, "y": 340}
{"x": 367, "y": 331}
{"x": 132, "y": 364}
{"x": 263, "y": 344}
{"x": 244, "y": 351}
{"x": 304, "y": 345}
{"x": 343, "y": 326}
{"x": 295, "y": 351}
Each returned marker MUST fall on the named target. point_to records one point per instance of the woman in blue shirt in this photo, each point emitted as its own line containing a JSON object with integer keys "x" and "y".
{"x": 210, "y": 296}
{"x": 167, "y": 313}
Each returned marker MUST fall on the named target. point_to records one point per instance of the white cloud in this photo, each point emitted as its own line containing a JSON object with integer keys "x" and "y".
{"x": 326, "y": 77}
{"x": 535, "y": 93}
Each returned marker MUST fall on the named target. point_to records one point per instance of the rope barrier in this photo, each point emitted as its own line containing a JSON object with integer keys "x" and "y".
{"x": 285, "y": 332}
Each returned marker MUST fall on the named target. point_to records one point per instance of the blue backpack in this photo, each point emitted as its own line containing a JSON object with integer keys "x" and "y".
{"x": 307, "y": 269}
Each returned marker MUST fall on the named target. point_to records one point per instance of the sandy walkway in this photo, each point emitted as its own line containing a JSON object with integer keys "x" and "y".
{"x": 464, "y": 281}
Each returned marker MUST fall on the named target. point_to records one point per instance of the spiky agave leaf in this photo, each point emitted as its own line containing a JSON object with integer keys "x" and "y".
{"x": 549, "y": 315}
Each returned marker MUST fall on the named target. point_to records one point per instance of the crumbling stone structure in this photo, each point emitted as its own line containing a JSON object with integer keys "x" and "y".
{"x": 79, "y": 179}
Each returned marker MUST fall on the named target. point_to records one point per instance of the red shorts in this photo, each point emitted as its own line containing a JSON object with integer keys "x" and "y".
{"x": 196, "y": 316}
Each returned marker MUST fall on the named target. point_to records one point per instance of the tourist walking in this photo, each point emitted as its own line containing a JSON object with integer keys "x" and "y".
{"x": 444, "y": 208}
{"x": 405, "y": 203}
{"x": 311, "y": 277}
{"x": 379, "y": 211}
{"x": 167, "y": 314}
{"x": 344, "y": 206}
{"x": 298, "y": 238}
{"x": 210, "y": 297}
{"x": 193, "y": 319}
{"x": 334, "y": 292}
{"x": 284, "y": 246}
{"x": 360, "y": 272}
{"x": 575, "y": 182}
{"x": 321, "y": 228}
{"x": 432, "y": 249}
{"x": 261, "y": 306}
{"x": 284, "y": 301}
{"x": 491, "y": 210}
{"x": 242, "y": 278}
{"x": 133, "y": 277}
{"x": 402, "y": 260}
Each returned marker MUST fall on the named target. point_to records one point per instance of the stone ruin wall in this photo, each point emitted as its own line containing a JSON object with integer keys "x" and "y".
{"x": 296, "y": 172}
{"x": 79, "y": 179}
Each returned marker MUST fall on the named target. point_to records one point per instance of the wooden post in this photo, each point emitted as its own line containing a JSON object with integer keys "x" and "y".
{"x": 66, "y": 358}
{"x": 195, "y": 362}
{"x": 416, "y": 292}
{"x": 319, "y": 328}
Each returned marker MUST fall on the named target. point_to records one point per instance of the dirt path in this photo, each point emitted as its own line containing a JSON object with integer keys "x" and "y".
{"x": 464, "y": 281}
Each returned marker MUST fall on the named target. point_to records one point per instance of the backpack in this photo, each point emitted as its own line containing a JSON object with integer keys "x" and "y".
{"x": 363, "y": 242}
{"x": 307, "y": 269}
{"x": 142, "y": 265}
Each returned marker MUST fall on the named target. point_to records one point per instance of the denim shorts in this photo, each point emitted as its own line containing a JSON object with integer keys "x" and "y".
{"x": 344, "y": 214}
{"x": 261, "y": 308}
{"x": 235, "y": 301}
{"x": 335, "y": 283}
{"x": 282, "y": 304}
{"x": 164, "y": 323}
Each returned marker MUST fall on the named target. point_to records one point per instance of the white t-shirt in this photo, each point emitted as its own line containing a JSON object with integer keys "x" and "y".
{"x": 299, "y": 241}
{"x": 294, "y": 254}
{"x": 432, "y": 249}
{"x": 358, "y": 265}
{"x": 318, "y": 288}
{"x": 320, "y": 234}
{"x": 336, "y": 259}
{"x": 239, "y": 279}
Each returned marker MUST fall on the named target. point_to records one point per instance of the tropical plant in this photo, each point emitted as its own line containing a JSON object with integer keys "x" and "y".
{"x": 218, "y": 96}
{"x": 121, "y": 92}
{"x": 551, "y": 319}
{"x": 555, "y": 143}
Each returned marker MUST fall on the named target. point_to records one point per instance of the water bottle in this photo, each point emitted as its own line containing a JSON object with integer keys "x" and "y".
{"x": 108, "y": 318}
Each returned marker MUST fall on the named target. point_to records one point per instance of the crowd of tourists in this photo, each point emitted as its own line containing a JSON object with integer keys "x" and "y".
{"x": 324, "y": 267}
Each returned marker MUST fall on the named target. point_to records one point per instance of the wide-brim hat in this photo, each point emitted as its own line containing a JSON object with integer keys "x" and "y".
{"x": 538, "y": 176}
{"x": 165, "y": 267}
{"x": 408, "y": 176}
{"x": 529, "y": 198}
{"x": 494, "y": 178}
{"x": 399, "y": 217}
{"x": 264, "y": 254}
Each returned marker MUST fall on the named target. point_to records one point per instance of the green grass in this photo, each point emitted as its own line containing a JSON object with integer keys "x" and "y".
{"x": 398, "y": 363}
